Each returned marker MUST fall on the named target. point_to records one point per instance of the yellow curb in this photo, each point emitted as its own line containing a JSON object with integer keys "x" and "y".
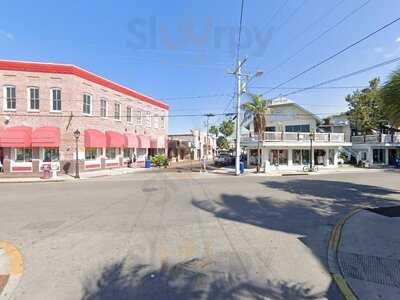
{"x": 16, "y": 261}
{"x": 344, "y": 288}
{"x": 337, "y": 230}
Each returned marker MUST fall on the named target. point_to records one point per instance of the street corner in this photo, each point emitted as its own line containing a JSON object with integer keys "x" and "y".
{"x": 11, "y": 268}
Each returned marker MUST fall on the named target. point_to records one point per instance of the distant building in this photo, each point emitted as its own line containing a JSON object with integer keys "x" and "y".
{"x": 285, "y": 142}
{"x": 191, "y": 145}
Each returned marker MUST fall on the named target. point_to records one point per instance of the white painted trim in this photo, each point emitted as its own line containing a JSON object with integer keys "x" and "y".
{"x": 28, "y": 99}
{"x": 5, "y": 98}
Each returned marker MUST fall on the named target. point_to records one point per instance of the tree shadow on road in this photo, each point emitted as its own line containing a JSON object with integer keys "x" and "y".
{"x": 186, "y": 280}
{"x": 308, "y": 208}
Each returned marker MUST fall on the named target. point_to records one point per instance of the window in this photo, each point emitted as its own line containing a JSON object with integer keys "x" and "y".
{"x": 155, "y": 121}
{"x": 148, "y": 119}
{"x": 379, "y": 156}
{"x": 128, "y": 152}
{"x": 305, "y": 155}
{"x": 279, "y": 157}
{"x": 23, "y": 155}
{"x": 139, "y": 118}
{"x": 103, "y": 108}
{"x": 296, "y": 157}
{"x": 87, "y": 104}
{"x": 51, "y": 154}
{"x": 117, "y": 111}
{"x": 129, "y": 114}
{"x": 10, "y": 98}
{"x": 363, "y": 156}
{"x": 270, "y": 129}
{"x": 331, "y": 156}
{"x": 141, "y": 154}
{"x": 112, "y": 153}
{"x": 92, "y": 153}
{"x": 297, "y": 128}
{"x": 56, "y": 100}
{"x": 162, "y": 122}
{"x": 33, "y": 98}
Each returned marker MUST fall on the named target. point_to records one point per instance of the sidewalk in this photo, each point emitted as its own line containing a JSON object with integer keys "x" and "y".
{"x": 368, "y": 254}
{"x": 83, "y": 175}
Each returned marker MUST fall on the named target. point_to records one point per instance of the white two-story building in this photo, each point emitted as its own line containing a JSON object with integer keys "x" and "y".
{"x": 286, "y": 141}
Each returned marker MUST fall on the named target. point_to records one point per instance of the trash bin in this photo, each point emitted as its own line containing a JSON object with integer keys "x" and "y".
{"x": 241, "y": 167}
{"x": 147, "y": 163}
{"x": 46, "y": 171}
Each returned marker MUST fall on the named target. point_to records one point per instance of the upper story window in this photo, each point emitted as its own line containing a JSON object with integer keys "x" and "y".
{"x": 117, "y": 111}
{"x": 56, "y": 100}
{"x": 33, "y": 98}
{"x": 162, "y": 122}
{"x": 103, "y": 108}
{"x": 297, "y": 128}
{"x": 129, "y": 114}
{"x": 148, "y": 119}
{"x": 10, "y": 99}
{"x": 156, "y": 121}
{"x": 87, "y": 104}
{"x": 139, "y": 117}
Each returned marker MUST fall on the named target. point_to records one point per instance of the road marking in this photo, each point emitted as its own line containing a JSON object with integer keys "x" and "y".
{"x": 16, "y": 262}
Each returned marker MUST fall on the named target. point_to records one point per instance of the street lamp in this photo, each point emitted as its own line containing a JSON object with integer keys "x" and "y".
{"x": 77, "y": 133}
{"x": 312, "y": 137}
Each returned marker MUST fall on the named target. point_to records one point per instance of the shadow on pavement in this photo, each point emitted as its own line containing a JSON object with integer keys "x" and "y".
{"x": 316, "y": 207}
{"x": 184, "y": 280}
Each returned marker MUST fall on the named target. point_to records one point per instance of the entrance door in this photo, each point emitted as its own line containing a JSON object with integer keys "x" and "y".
{"x": 392, "y": 157}
{"x": 319, "y": 157}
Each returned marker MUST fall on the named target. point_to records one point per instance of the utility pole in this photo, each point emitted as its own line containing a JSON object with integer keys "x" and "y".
{"x": 209, "y": 115}
{"x": 239, "y": 93}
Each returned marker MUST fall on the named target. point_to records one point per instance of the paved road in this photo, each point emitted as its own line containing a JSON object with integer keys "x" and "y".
{"x": 182, "y": 235}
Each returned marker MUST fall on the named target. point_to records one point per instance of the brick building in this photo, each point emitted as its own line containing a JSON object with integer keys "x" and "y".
{"x": 44, "y": 104}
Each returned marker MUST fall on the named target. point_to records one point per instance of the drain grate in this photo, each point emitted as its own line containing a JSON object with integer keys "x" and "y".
{"x": 380, "y": 270}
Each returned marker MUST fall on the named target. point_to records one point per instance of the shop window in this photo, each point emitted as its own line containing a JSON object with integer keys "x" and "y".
{"x": 331, "y": 156}
{"x": 33, "y": 98}
{"x": 379, "y": 156}
{"x": 51, "y": 154}
{"x": 296, "y": 157}
{"x": 279, "y": 157}
{"x": 128, "y": 152}
{"x": 92, "y": 153}
{"x": 56, "y": 99}
{"x": 305, "y": 156}
{"x": 141, "y": 154}
{"x": 10, "y": 98}
{"x": 87, "y": 104}
{"x": 23, "y": 155}
{"x": 112, "y": 153}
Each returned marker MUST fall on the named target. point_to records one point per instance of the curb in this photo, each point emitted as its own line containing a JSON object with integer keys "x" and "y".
{"x": 15, "y": 269}
{"x": 333, "y": 262}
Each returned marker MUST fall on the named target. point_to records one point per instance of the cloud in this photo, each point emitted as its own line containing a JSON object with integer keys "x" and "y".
{"x": 398, "y": 40}
{"x": 7, "y": 35}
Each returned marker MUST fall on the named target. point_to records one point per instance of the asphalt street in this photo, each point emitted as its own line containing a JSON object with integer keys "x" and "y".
{"x": 168, "y": 235}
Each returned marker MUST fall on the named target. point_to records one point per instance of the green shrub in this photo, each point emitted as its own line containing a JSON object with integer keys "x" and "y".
{"x": 159, "y": 160}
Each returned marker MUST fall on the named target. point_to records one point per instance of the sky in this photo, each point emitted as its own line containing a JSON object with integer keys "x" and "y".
{"x": 176, "y": 51}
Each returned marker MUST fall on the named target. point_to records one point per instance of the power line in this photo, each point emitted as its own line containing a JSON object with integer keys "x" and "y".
{"x": 334, "y": 55}
{"x": 277, "y": 11}
{"x": 282, "y": 63}
{"x": 240, "y": 30}
{"x": 317, "y": 88}
{"x": 384, "y": 63}
{"x": 321, "y": 35}
{"x": 81, "y": 115}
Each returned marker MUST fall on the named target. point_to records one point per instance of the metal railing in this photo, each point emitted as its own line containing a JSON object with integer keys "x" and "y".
{"x": 376, "y": 138}
{"x": 296, "y": 137}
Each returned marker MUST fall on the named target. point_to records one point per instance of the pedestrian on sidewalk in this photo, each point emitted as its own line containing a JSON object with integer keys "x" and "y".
{"x": 203, "y": 164}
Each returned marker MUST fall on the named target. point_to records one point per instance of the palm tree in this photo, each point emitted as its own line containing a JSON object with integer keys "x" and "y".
{"x": 390, "y": 95}
{"x": 255, "y": 110}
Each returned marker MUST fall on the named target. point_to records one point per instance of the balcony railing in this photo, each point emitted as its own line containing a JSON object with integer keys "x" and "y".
{"x": 296, "y": 137}
{"x": 376, "y": 138}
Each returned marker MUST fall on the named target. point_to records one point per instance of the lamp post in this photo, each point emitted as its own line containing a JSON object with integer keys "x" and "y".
{"x": 312, "y": 137}
{"x": 77, "y": 133}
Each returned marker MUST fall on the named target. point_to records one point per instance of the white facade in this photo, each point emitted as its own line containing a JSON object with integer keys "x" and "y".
{"x": 286, "y": 141}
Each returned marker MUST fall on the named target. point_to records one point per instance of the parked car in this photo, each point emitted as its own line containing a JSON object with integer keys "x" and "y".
{"x": 224, "y": 160}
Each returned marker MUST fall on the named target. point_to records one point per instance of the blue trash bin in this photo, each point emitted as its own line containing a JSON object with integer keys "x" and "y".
{"x": 147, "y": 163}
{"x": 241, "y": 167}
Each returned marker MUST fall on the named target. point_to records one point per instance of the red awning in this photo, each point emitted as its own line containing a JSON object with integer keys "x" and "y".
{"x": 94, "y": 139}
{"x": 131, "y": 140}
{"x": 46, "y": 137}
{"x": 144, "y": 141}
{"x": 16, "y": 137}
{"x": 114, "y": 140}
